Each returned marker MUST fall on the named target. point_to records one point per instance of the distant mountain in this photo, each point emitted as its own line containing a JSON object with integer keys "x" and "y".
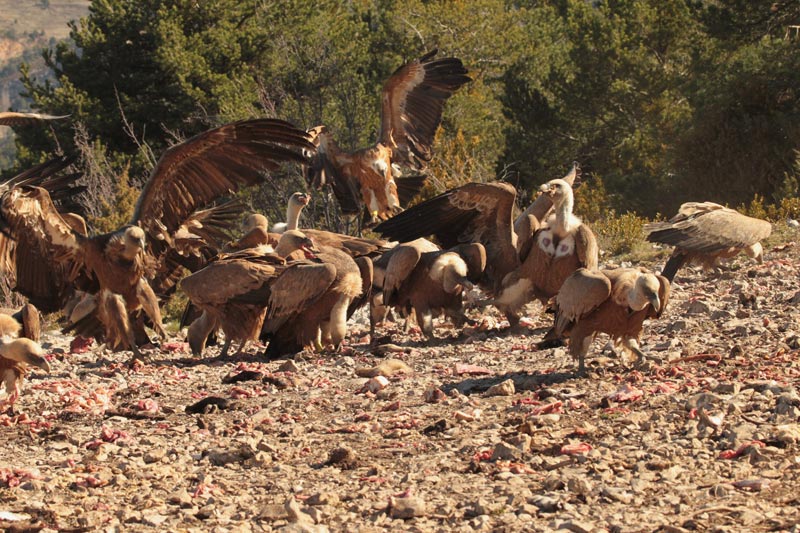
{"x": 27, "y": 27}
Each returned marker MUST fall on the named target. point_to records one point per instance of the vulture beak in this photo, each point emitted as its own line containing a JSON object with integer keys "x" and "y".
{"x": 309, "y": 250}
{"x": 304, "y": 199}
{"x": 655, "y": 301}
{"x": 547, "y": 189}
{"x": 38, "y": 361}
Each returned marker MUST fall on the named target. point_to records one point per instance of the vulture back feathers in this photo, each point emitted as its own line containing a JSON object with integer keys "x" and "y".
{"x": 706, "y": 232}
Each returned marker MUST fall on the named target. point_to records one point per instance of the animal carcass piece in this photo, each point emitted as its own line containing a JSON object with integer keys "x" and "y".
{"x": 117, "y": 265}
{"x": 413, "y": 99}
{"x": 615, "y": 302}
{"x": 431, "y": 283}
{"x": 705, "y": 232}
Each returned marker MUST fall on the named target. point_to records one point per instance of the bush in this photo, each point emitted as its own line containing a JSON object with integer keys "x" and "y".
{"x": 623, "y": 234}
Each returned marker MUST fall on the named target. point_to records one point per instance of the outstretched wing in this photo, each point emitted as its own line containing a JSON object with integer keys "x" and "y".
{"x": 708, "y": 228}
{"x": 12, "y": 118}
{"x": 196, "y": 172}
{"x": 412, "y": 103}
{"x": 476, "y": 212}
{"x": 582, "y": 292}
{"x": 47, "y": 254}
{"x": 325, "y": 167}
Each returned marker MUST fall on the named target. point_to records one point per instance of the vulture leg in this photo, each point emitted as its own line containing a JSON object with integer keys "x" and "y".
{"x": 581, "y": 346}
{"x": 241, "y": 348}
{"x": 149, "y": 302}
{"x": 338, "y": 322}
{"x": 411, "y": 317}
{"x": 199, "y": 331}
{"x": 632, "y": 345}
{"x": 114, "y": 316}
{"x": 426, "y": 323}
{"x": 225, "y": 347}
{"x": 551, "y": 340}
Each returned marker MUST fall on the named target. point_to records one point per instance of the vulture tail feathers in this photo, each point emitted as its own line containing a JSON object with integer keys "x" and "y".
{"x": 675, "y": 262}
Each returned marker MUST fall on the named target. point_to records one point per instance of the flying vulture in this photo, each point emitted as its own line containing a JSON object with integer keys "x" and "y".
{"x": 615, "y": 302}
{"x": 431, "y": 283}
{"x": 705, "y": 232}
{"x": 235, "y": 290}
{"x": 412, "y": 102}
{"x": 519, "y": 267}
{"x": 13, "y": 118}
{"x": 186, "y": 178}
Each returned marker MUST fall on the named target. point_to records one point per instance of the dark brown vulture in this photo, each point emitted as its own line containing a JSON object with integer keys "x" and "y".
{"x": 431, "y": 283}
{"x": 483, "y": 213}
{"x": 187, "y": 177}
{"x": 322, "y": 319}
{"x": 13, "y": 118}
{"x": 412, "y": 102}
{"x": 705, "y": 232}
{"x": 235, "y": 290}
{"x": 615, "y": 302}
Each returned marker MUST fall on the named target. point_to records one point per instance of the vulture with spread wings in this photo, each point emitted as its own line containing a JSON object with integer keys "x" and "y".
{"x": 186, "y": 178}
{"x": 412, "y": 102}
{"x": 705, "y": 232}
{"x": 519, "y": 266}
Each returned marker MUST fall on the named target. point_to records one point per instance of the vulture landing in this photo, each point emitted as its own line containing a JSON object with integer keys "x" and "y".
{"x": 705, "y": 232}
{"x": 615, "y": 302}
{"x": 186, "y": 178}
{"x": 412, "y": 103}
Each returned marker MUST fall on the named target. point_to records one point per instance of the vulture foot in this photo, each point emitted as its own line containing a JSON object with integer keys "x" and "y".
{"x": 546, "y": 344}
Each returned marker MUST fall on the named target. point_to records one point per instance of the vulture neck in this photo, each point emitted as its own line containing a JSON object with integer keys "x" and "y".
{"x": 565, "y": 221}
{"x": 284, "y": 248}
{"x": 293, "y": 215}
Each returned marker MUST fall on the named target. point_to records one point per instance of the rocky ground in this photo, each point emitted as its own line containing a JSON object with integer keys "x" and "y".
{"x": 477, "y": 432}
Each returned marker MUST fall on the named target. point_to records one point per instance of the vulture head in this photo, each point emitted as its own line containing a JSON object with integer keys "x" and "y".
{"x": 756, "y": 251}
{"x": 644, "y": 292}
{"x": 300, "y": 199}
{"x": 255, "y": 221}
{"x": 292, "y": 240}
{"x": 24, "y": 351}
{"x": 558, "y": 190}
{"x": 133, "y": 240}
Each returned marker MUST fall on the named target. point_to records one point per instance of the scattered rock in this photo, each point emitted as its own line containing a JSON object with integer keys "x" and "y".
{"x": 505, "y": 388}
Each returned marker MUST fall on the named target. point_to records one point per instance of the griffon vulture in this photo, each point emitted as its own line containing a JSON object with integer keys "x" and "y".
{"x": 615, "y": 302}
{"x": 187, "y": 177}
{"x": 431, "y": 283}
{"x": 15, "y": 356}
{"x": 322, "y": 319}
{"x": 412, "y": 102}
{"x": 705, "y": 232}
{"x": 297, "y": 201}
{"x": 235, "y": 290}
{"x": 483, "y": 213}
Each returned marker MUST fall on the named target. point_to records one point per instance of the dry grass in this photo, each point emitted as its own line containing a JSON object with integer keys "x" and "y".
{"x": 31, "y": 16}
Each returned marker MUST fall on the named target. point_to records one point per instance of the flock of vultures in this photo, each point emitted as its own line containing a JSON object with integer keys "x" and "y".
{"x": 295, "y": 288}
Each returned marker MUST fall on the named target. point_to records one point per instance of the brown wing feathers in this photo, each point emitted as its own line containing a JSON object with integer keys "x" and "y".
{"x": 191, "y": 175}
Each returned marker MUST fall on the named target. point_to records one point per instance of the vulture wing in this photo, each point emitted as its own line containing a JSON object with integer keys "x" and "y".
{"x": 404, "y": 259}
{"x": 353, "y": 246}
{"x": 196, "y": 172}
{"x": 476, "y": 212}
{"x": 412, "y": 103}
{"x": 298, "y": 286}
{"x": 47, "y": 250}
{"x": 231, "y": 278}
{"x": 325, "y": 168}
{"x": 11, "y": 118}
{"x": 582, "y": 292}
{"x": 709, "y": 228}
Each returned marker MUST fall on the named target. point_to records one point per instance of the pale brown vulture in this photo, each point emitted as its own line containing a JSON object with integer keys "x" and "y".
{"x": 412, "y": 102}
{"x": 431, "y": 283}
{"x": 483, "y": 213}
{"x": 235, "y": 290}
{"x": 615, "y": 302}
{"x": 14, "y": 118}
{"x": 16, "y": 354}
{"x": 705, "y": 232}
{"x": 187, "y": 177}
